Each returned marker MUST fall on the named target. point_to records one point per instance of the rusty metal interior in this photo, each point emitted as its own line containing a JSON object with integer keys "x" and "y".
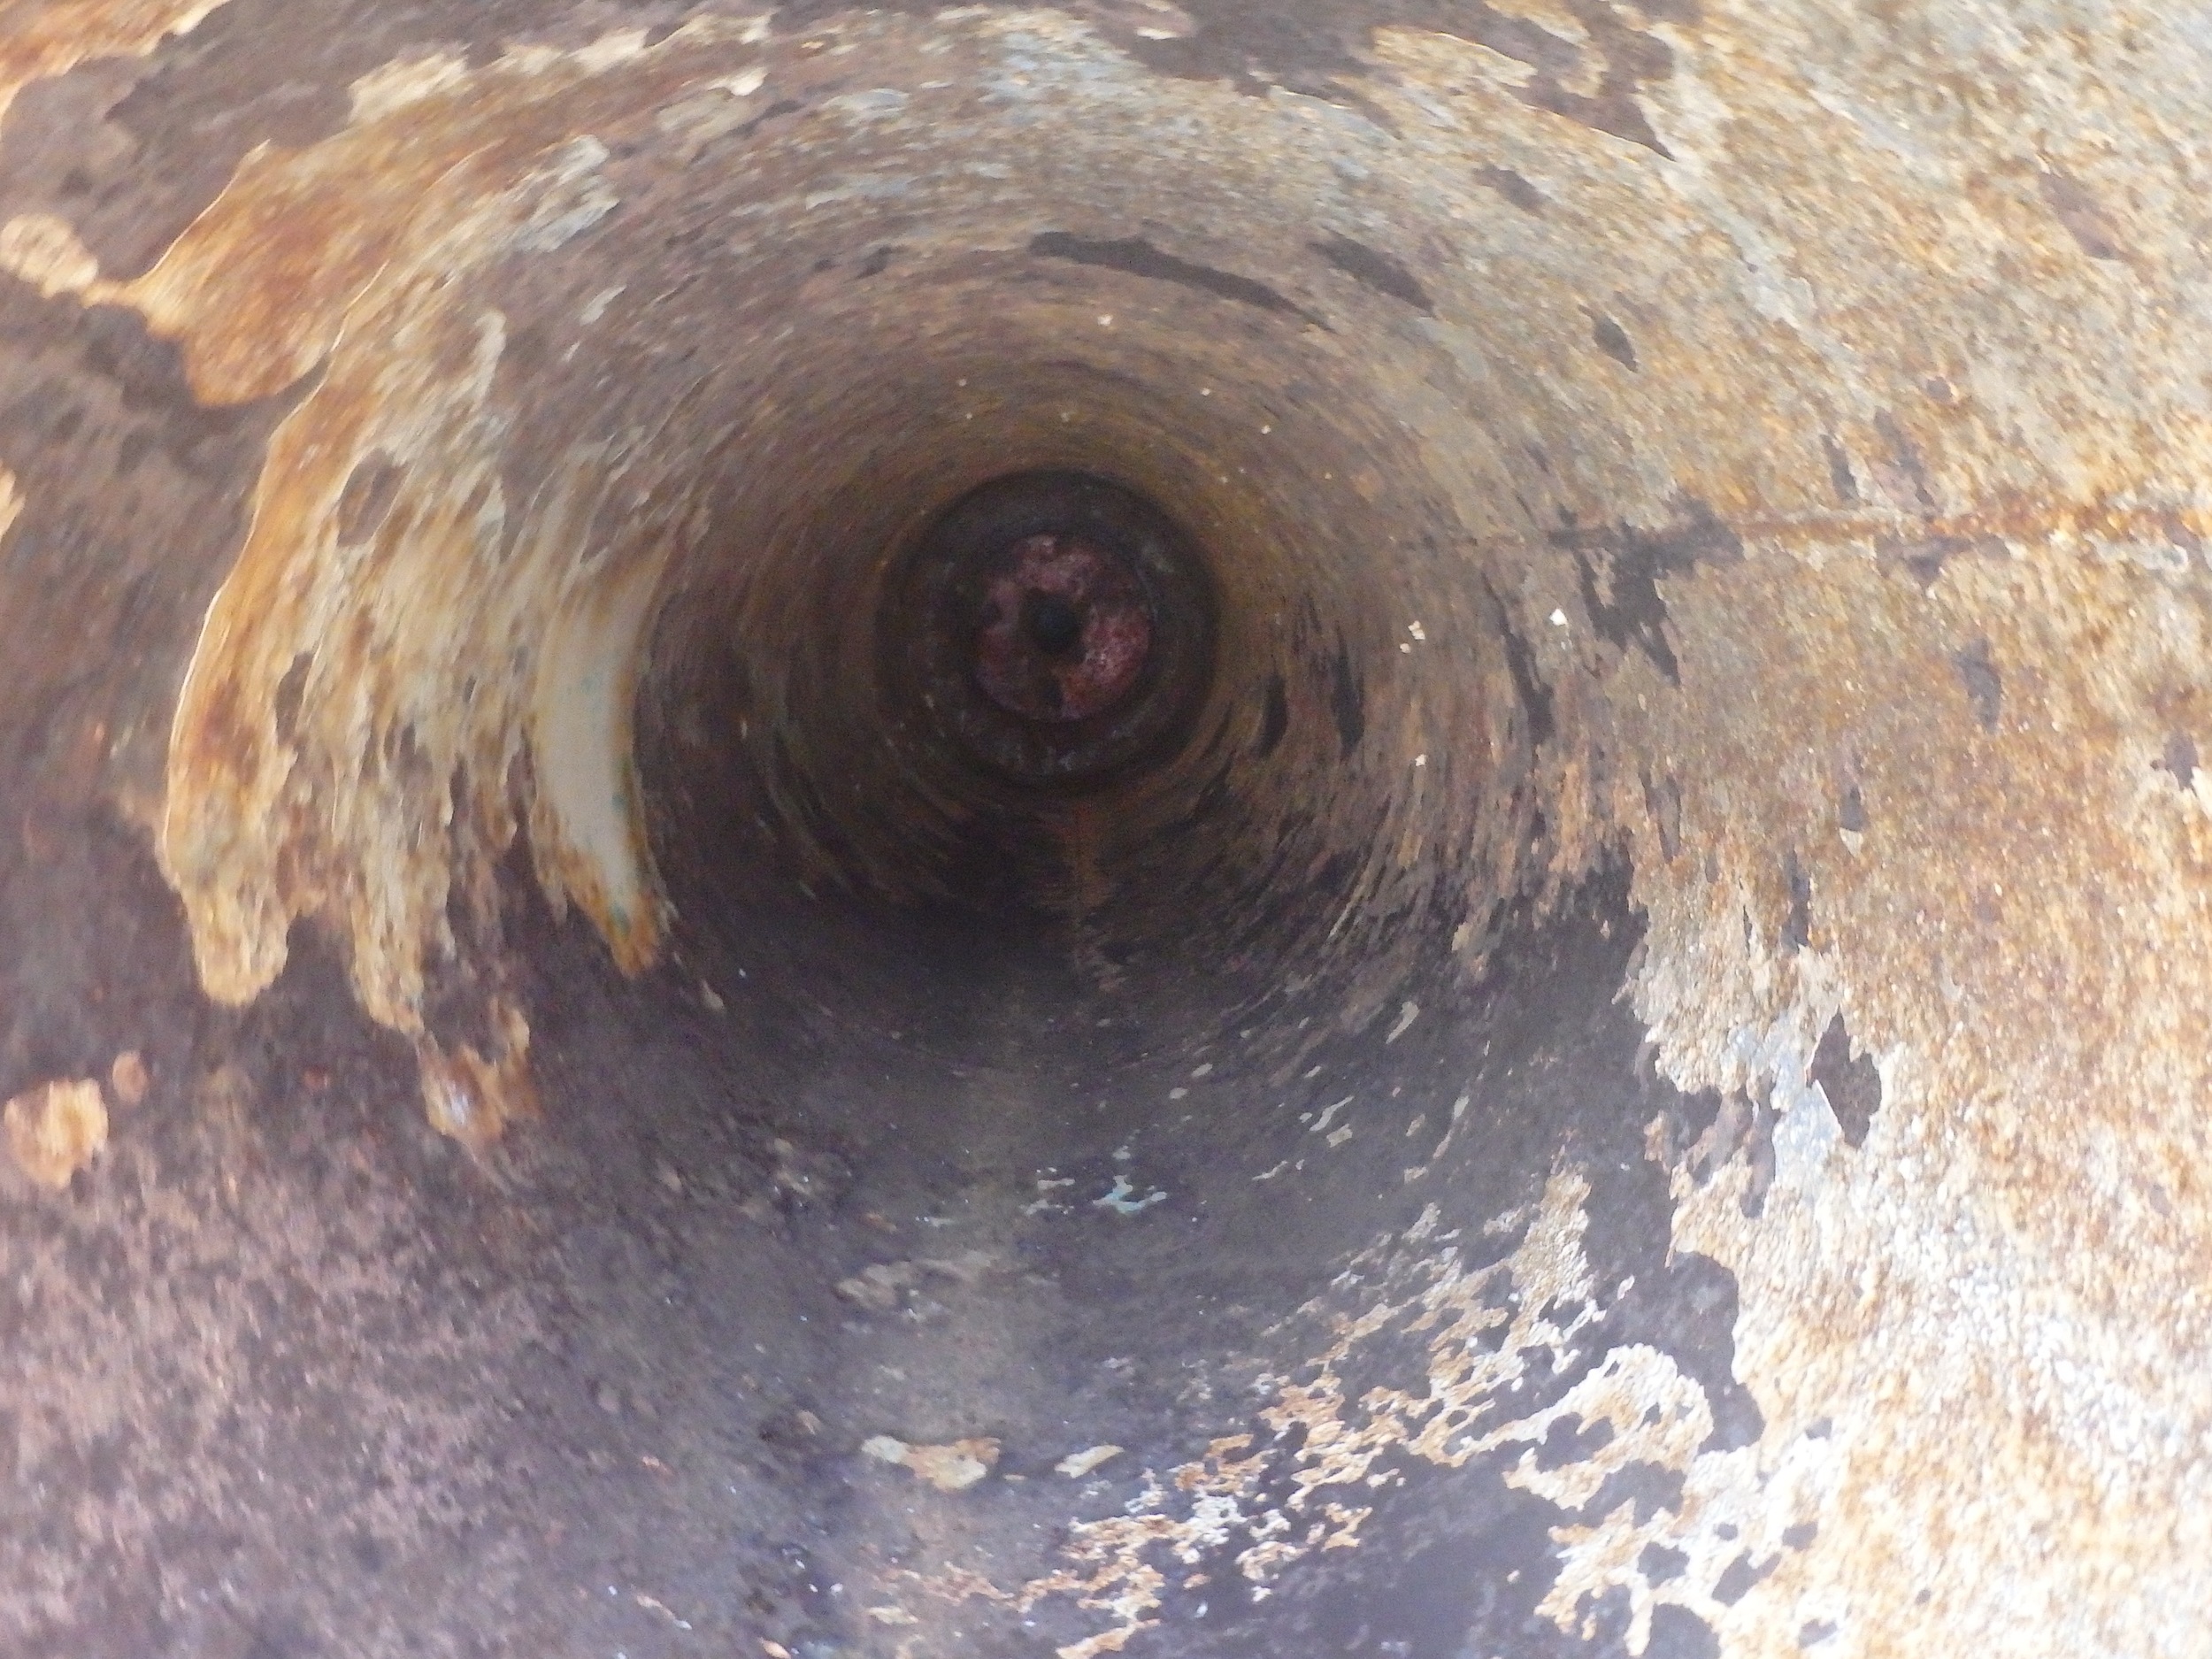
{"x": 1573, "y": 1026}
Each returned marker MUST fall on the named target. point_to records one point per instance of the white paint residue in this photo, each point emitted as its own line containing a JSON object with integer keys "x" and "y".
{"x": 394, "y": 85}
{"x": 1327, "y": 1442}
{"x": 1075, "y": 1465}
{"x": 586, "y": 678}
{"x": 571, "y": 197}
{"x": 612, "y": 51}
{"x": 1459, "y": 1110}
{"x": 1323, "y": 1122}
{"x": 45, "y": 252}
{"x": 1123, "y": 1201}
{"x": 872, "y": 105}
{"x": 1044, "y": 1204}
{"x": 1407, "y": 1013}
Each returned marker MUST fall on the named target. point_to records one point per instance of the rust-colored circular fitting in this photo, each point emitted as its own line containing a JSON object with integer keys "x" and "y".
{"x": 1065, "y": 632}
{"x": 1054, "y": 627}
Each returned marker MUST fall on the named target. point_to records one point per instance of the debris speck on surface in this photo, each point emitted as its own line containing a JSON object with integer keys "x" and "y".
{"x": 129, "y": 1078}
{"x": 1044, "y": 1205}
{"x": 653, "y": 1604}
{"x": 894, "y": 1615}
{"x": 1123, "y": 1201}
{"x": 953, "y": 1468}
{"x": 1075, "y": 1465}
{"x": 967, "y": 1268}
{"x": 56, "y": 1129}
{"x": 878, "y": 1286}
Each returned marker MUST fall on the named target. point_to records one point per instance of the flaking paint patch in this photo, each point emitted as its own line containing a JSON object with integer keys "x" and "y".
{"x": 57, "y": 1129}
{"x": 373, "y": 748}
{"x": 1981, "y": 841}
{"x": 385, "y": 396}
{"x": 357, "y": 254}
{"x": 392, "y": 87}
{"x": 1485, "y": 1331}
{"x": 950, "y": 1467}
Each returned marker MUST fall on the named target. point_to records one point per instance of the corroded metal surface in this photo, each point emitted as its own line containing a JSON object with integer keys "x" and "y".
{"x": 1762, "y": 449}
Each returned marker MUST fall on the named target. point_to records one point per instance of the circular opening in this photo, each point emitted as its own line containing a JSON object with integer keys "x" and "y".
{"x": 1065, "y": 630}
{"x": 1054, "y": 627}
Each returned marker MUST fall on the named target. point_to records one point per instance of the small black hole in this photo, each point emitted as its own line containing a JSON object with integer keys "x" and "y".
{"x": 1054, "y": 624}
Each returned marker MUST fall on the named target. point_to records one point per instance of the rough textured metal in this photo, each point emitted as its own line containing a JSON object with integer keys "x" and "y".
{"x": 1635, "y": 1086}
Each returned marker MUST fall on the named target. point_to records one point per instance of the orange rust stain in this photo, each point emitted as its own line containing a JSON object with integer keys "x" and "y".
{"x": 39, "y": 39}
{"x": 258, "y": 289}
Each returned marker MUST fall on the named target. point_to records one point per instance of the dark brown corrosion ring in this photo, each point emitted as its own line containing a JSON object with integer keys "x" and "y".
{"x": 1054, "y": 627}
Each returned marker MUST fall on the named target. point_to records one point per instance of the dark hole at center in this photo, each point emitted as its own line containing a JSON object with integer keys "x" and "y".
{"x": 1054, "y": 624}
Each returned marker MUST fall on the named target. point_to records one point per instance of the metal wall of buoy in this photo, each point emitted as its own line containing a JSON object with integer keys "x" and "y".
{"x": 1136, "y": 827}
